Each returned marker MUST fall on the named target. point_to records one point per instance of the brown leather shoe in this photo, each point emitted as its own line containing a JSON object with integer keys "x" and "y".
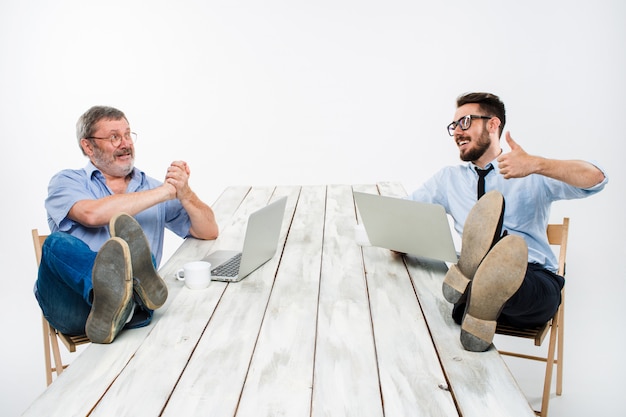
{"x": 481, "y": 231}
{"x": 498, "y": 277}
{"x": 112, "y": 292}
{"x": 148, "y": 285}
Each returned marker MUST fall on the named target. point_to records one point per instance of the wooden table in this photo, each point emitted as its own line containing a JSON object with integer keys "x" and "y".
{"x": 325, "y": 328}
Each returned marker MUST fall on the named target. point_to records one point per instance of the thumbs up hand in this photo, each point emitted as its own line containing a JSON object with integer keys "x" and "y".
{"x": 516, "y": 163}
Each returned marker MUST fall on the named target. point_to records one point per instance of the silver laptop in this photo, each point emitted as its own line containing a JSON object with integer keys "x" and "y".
{"x": 407, "y": 226}
{"x": 259, "y": 245}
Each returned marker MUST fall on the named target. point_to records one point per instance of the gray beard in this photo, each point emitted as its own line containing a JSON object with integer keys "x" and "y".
{"x": 107, "y": 165}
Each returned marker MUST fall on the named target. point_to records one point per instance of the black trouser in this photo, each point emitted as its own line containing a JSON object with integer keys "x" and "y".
{"x": 534, "y": 303}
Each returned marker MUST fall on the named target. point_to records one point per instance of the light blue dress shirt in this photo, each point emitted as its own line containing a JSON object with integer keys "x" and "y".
{"x": 527, "y": 202}
{"x": 70, "y": 186}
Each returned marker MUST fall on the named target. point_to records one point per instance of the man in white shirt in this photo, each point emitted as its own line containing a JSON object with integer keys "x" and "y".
{"x": 509, "y": 278}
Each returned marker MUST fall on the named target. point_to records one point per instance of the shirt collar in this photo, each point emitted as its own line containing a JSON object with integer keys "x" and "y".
{"x": 91, "y": 170}
{"x": 471, "y": 165}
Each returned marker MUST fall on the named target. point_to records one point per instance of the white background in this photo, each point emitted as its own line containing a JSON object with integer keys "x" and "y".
{"x": 313, "y": 93}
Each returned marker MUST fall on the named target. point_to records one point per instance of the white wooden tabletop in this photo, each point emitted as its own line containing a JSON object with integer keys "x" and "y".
{"x": 325, "y": 328}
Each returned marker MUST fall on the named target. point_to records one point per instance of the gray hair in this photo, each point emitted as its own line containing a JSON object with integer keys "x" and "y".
{"x": 86, "y": 124}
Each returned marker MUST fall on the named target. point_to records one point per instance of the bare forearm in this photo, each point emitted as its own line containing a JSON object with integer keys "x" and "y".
{"x": 203, "y": 224}
{"x": 518, "y": 164}
{"x": 578, "y": 173}
{"x": 96, "y": 213}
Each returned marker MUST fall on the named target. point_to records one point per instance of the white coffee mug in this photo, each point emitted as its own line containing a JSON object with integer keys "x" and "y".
{"x": 197, "y": 275}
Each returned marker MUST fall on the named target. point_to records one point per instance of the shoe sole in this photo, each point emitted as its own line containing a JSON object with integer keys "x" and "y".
{"x": 149, "y": 285}
{"x": 481, "y": 231}
{"x": 498, "y": 277}
{"x": 112, "y": 292}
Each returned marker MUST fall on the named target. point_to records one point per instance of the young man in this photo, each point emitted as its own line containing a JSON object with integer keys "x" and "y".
{"x": 97, "y": 273}
{"x": 510, "y": 278}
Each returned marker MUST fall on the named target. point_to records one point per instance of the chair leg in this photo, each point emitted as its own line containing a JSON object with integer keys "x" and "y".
{"x": 54, "y": 341}
{"x": 51, "y": 342}
{"x": 559, "y": 364}
{"x": 46, "y": 350}
{"x": 547, "y": 384}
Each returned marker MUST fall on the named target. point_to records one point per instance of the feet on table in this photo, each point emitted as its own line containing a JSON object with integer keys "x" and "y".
{"x": 112, "y": 292}
{"x": 481, "y": 231}
{"x": 497, "y": 278}
{"x": 491, "y": 268}
{"x": 148, "y": 285}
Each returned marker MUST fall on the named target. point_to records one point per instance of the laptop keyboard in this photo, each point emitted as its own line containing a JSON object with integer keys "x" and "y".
{"x": 230, "y": 268}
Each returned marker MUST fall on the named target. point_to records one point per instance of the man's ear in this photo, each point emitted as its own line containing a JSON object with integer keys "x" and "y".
{"x": 493, "y": 124}
{"x": 87, "y": 146}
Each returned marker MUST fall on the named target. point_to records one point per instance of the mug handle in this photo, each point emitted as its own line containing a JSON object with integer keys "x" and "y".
{"x": 180, "y": 275}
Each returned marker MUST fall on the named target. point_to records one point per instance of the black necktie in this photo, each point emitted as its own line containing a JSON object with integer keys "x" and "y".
{"x": 482, "y": 173}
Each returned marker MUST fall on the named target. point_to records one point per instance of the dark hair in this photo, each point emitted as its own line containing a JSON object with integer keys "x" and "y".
{"x": 489, "y": 103}
{"x": 85, "y": 126}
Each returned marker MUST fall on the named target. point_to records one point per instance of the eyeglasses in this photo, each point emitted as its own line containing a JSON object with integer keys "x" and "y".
{"x": 465, "y": 122}
{"x": 116, "y": 139}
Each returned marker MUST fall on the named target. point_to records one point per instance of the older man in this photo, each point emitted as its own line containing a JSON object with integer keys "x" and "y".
{"x": 107, "y": 222}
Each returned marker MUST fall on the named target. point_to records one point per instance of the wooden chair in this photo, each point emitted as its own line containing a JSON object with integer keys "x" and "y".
{"x": 557, "y": 236}
{"x": 51, "y": 336}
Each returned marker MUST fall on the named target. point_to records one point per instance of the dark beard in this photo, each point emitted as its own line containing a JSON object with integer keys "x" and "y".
{"x": 479, "y": 150}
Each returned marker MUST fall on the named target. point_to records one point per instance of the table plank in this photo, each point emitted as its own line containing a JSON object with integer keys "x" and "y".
{"x": 214, "y": 377}
{"x": 480, "y": 381}
{"x": 346, "y": 376}
{"x": 280, "y": 379}
{"x": 410, "y": 372}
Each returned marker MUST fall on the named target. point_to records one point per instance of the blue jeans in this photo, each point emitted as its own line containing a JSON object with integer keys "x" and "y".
{"x": 64, "y": 287}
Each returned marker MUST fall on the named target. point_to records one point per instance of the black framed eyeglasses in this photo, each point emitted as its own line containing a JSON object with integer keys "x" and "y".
{"x": 465, "y": 122}
{"x": 117, "y": 139}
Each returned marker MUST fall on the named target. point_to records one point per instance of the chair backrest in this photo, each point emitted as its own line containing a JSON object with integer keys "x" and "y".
{"x": 38, "y": 243}
{"x": 50, "y": 334}
{"x": 557, "y": 236}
